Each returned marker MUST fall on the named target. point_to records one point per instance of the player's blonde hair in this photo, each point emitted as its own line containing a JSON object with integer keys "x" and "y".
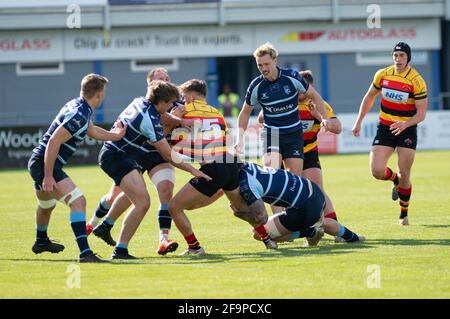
{"x": 266, "y": 48}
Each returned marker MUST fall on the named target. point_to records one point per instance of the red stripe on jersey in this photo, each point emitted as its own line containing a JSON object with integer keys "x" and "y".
{"x": 397, "y": 106}
{"x": 305, "y": 115}
{"x": 385, "y": 122}
{"x": 391, "y": 84}
{"x": 309, "y": 135}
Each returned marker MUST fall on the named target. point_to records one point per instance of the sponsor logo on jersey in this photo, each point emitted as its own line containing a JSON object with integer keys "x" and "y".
{"x": 307, "y": 125}
{"x": 273, "y": 109}
{"x": 394, "y": 95}
{"x": 286, "y": 89}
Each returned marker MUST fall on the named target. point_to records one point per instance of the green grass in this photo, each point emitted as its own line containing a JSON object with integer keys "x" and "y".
{"x": 414, "y": 261}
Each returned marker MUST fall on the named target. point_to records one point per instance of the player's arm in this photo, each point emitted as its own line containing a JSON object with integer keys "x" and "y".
{"x": 421, "y": 105}
{"x": 101, "y": 134}
{"x": 334, "y": 124}
{"x": 261, "y": 117}
{"x": 175, "y": 159}
{"x": 59, "y": 136}
{"x": 364, "y": 108}
{"x": 242, "y": 120}
{"x": 318, "y": 101}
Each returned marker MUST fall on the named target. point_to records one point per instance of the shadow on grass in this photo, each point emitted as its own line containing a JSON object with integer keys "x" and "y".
{"x": 436, "y": 226}
{"x": 282, "y": 251}
{"x": 410, "y": 242}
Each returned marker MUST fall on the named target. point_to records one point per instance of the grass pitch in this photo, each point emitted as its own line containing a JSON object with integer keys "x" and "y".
{"x": 395, "y": 262}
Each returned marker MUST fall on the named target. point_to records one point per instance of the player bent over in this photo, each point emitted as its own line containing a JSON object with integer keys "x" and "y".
{"x": 304, "y": 202}
{"x": 58, "y": 144}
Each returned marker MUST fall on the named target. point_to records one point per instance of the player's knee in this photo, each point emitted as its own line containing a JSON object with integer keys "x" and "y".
{"x": 165, "y": 191}
{"x": 261, "y": 219}
{"x": 78, "y": 204}
{"x": 143, "y": 205}
{"x": 174, "y": 207}
{"x": 378, "y": 173}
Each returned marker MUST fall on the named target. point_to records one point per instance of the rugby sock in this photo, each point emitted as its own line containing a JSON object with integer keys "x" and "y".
{"x": 347, "y": 234}
{"x": 41, "y": 234}
{"x": 331, "y": 215}
{"x": 108, "y": 223}
{"x": 192, "y": 242}
{"x": 261, "y": 230}
{"x": 404, "y": 194}
{"x": 309, "y": 232}
{"x": 165, "y": 221}
{"x": 101, "y": 211}
{"x": 78, "y": 224}
{"x": 391, "y": 176}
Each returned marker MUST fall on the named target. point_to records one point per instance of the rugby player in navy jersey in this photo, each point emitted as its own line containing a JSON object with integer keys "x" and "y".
{"x": 276, "y": 91}
{"x": 303, "y": 200}
{"x": 58, "y": 144}
{"x": 161, "y": 173}
{"x": 118, "y": 160}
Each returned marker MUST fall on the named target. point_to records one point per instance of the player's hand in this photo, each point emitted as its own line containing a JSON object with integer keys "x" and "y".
{"x": 199, "y": 174}
{"x": 178, "y": 110}
{"x": 120, "y": 129}
{"x": 48, "y": 184}
{"x": 397, "y": 127}
{"x": 325, "y": 124}
{"x": 239, "y": 146}
{"x": 189, "y": 122}
{"x": 356, "y": 129}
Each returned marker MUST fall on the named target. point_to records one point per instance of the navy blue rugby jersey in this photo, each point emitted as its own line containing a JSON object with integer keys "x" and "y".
{"x": 74, "y": 116}
{"x": 278, "y": 99}
{"x": 274, "y": 186}
{"x": 143, "y": 124}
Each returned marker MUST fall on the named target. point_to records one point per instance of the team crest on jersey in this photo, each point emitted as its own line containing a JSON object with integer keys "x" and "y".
{"x": 286, "y": 89}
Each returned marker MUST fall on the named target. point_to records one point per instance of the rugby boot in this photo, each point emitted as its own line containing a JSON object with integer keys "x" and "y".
{"x": 189, "y": 251}
{"x": 89, "y": 229}
{"x": 122, "y": 255}
{"x": 394, "y": 193}
{"x": 92, "y": 258}
{"x": 105, "y": 234}
{"x": 404, "y": 221}
{"x": 49, "y": 246}
{"x": 167, "y": 246}
{"x": 314, "y": 240}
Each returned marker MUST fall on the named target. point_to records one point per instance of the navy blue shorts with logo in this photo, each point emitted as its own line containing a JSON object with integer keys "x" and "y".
{"x": 116, "y": 164}
{"x": 36, "y": 169}
{"x": 301, "y": 219}
{"x": 407, "y": 138}
{"x": 288, "y": 145}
